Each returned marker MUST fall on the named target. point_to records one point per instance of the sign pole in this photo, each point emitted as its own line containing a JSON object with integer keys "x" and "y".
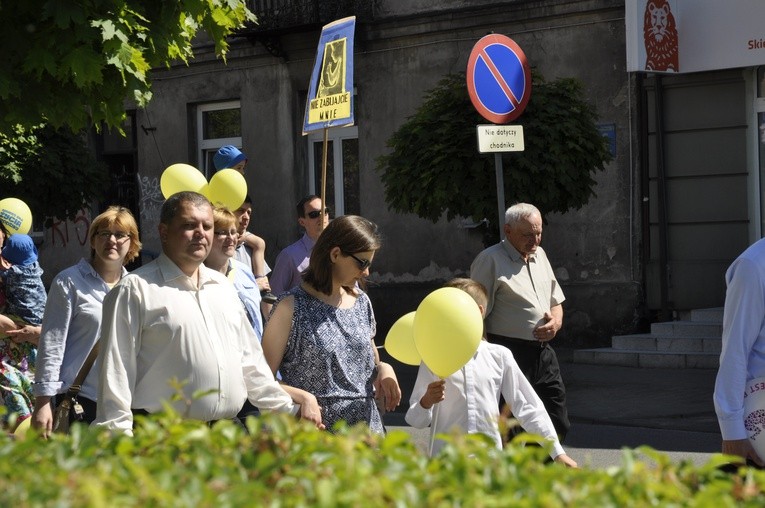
{"x": 324, "y": 174}
{"x": 500, "y": 193}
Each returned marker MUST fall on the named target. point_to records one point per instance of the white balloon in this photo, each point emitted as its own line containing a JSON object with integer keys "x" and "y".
{"x": 754, "y": 414}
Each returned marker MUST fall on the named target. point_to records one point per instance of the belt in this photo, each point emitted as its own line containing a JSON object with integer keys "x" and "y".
{"x": 535, "y": 344}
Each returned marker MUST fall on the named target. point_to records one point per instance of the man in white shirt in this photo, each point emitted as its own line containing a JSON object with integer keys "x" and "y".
{"x": 743, "y": 348}
{"x": 176, "y": 319}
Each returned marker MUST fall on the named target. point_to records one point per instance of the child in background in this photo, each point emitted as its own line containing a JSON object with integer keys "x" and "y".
{"x": 469, "y": 398}
{"x": 229, "y": 156}
{"x": 24, "y": 303}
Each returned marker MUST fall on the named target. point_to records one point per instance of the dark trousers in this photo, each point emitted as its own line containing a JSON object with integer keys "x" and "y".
{"x": 247, "y": 410}
{"x": 539, "y": 364}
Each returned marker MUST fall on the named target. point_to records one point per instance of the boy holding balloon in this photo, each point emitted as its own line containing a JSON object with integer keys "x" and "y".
{"x": 468, "y": 398}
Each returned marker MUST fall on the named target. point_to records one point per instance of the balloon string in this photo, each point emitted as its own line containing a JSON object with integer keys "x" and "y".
{"x": 433, "y": 425}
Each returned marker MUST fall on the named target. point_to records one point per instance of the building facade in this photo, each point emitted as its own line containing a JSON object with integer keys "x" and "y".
{"x": 674, "y": 207}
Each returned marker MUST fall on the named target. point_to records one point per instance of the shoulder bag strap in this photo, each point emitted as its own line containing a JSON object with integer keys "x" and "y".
{"x": 77, "y": 383}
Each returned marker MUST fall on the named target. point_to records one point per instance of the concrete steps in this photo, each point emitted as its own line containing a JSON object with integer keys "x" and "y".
{"x": 693, "y": 342}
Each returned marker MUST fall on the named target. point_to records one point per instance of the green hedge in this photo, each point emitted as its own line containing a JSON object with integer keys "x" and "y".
{"x": 172, "y": 462}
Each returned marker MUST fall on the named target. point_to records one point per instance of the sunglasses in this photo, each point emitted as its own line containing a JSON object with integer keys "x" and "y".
{"x": 363, "y": 263}
{"x": 315, "y": 213}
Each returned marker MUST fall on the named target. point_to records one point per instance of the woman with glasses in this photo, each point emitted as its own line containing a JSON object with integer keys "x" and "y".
{"x": 72, "y": 320}
{"x": 221, "y": 258}
{"x": 320, "y": 336}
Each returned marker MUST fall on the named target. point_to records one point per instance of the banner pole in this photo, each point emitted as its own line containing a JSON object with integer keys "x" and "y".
{"x": 324, "y": 174}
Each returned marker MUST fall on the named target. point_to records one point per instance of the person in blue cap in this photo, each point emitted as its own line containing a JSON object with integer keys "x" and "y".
{"x": 20, "y": 276}
{"x": 24, "y": 289}
{"x": 229, "y": 156}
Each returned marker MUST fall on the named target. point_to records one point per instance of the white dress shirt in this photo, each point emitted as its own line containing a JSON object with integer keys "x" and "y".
{"x": 70, "y": 328}
{"x": 471, "y": 399}
{"x": 743, "y": 339}
{"x": 158, "y": 326}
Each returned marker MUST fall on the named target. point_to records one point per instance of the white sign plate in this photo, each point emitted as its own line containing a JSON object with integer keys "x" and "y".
{"x": 500, "y": 138}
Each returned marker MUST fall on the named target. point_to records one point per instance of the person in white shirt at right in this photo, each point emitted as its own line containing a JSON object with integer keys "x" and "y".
{"x": 469, "y": 398}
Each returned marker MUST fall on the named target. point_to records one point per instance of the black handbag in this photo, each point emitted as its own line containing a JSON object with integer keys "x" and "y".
{"x": 62, "y": 414}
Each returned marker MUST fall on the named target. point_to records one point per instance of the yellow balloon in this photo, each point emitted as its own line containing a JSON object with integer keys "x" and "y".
{"x": 228, "y": 188}
{"x": 16, "y": 215}
{"x": 399, "y": 343}
{"x": 447, "y": 330}
{"x": 181, "y": 177}
{"x": 23, "y": 427}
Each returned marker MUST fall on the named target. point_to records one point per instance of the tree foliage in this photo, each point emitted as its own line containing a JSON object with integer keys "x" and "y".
{"x": 76, "y": 63}
{"x": 51, "y": 170}
{"x": 435, "y": 168}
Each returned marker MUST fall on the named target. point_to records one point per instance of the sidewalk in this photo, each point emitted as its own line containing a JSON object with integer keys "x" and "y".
{"x": 671, "y": 399}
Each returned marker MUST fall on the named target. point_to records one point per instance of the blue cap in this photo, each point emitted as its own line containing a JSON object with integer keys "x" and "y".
{"x": 20, "y": 250}
{"x": 228, "y": 156}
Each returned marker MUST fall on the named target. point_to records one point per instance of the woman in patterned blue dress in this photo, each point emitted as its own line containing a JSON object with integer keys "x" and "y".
{"x": 320, "y": 335}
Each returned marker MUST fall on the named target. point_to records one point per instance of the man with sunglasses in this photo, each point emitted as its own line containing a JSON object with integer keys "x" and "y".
{"x": 293, "y": 259}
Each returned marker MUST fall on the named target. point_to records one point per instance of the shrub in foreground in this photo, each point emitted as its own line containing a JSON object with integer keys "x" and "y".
{"x": 282, "y": 462}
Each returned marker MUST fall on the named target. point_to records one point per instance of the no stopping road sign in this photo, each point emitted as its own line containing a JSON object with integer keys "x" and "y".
{"x": 498, "y": 78}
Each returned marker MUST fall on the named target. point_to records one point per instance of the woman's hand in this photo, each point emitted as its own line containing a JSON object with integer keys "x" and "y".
{"x": 386, "y": 386}
{"x": 27, "y": 333}
{"x": 42, "y": 417}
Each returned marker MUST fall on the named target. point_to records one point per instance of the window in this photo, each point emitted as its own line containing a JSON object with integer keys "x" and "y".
{"x": 342, "y": 166}
{"x": 218, "y": 124}
{"x": 759, "y": 111}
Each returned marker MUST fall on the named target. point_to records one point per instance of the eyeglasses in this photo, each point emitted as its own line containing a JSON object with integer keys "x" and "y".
{"x": 363, "y": 263}
{"x": 315, "y": 213}
{"x": 120, "y": 237}
{"x": 231, "y": 233}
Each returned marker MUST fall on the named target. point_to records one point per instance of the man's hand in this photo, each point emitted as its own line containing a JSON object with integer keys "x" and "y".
{"x": 742, "y": 448}
{"x": 309, "y": 407}
{"x": 434, "y": 394}
{"x": 546, "y": 332}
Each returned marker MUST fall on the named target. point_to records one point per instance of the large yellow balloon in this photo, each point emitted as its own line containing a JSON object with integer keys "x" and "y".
{"x": 399, "y": 343}
{"x": 181, "y": 177}
{"x": 228, "y": 188}
{"x": 447, "y": 330}
{"x": 16, "y": 215}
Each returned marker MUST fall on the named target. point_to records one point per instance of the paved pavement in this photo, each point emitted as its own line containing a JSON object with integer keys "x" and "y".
{"x": 611, "y": 407}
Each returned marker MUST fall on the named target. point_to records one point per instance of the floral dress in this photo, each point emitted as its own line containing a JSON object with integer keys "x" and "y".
{"x": 16, "y": 373}
{"x": 329, "y": 354}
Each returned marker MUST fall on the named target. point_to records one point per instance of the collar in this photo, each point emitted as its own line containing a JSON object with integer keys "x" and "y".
{"x": 170, "y": 271}
{"x": 513, "y": 253}
{"x": 308, "y": 242}
{"x": 86, "y": 269}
